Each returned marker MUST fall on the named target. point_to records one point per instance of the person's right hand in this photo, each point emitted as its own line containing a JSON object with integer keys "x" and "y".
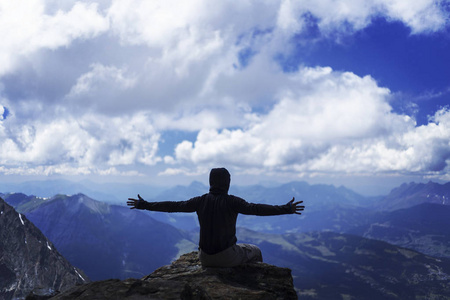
{"x": 136, "y": 203}
{"x": 296, "y": 208}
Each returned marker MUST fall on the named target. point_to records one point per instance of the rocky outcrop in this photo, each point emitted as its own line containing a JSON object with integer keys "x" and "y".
{"x": 185, "y": 278}
{"x": 29, "y": 260}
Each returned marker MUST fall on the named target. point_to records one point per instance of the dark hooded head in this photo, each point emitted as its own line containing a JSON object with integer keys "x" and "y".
{"x": 219, "y": 181}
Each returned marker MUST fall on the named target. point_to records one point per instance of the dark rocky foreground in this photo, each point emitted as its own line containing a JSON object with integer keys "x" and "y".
{"x": 186, "y": 279}
{"x": 28, "y": 260}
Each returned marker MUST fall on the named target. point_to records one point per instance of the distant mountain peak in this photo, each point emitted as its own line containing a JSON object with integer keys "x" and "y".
{"x": 197, "y": 184}
{"x": 411, "y": 194}
{"x": 80, "y": 201}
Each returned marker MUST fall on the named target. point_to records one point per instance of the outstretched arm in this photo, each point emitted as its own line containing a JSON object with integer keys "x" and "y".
{"x": 165, "y": 206}
{"x": 246, "y": 208}
{"x": 296, "y": 208}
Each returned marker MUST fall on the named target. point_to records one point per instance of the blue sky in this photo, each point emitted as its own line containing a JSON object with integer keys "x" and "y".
{"x": 413, "y": 66}
{"x": 341, "y": 92}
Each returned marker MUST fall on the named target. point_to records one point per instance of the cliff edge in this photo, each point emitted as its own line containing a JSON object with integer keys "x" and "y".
{"x": 28, "y": 260}
{"x": 186, "y": 279}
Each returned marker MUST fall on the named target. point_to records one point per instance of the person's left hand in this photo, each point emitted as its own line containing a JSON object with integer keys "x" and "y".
{"x": 136, "y": 203}
{"x": 296, "y": 208}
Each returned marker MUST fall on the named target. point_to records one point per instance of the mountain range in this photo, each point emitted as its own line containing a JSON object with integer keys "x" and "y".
{"x": 113, "y": 192}
{"x": 343, "y": 245}
{"x": 410, "y": 194}
{"x": 106, "y": 241}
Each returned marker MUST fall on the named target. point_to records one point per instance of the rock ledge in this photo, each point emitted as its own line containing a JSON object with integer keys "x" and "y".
{"x": 186, "y": 279}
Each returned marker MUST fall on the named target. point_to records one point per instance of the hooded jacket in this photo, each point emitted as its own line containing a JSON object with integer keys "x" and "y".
{"x": 217, "y": 212}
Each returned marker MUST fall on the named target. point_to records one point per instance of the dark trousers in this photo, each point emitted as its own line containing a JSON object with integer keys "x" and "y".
{"x": 233, "y": 256}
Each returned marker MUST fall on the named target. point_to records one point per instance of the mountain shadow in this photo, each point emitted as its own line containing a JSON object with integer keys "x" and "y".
{"x": 29, "y": 260}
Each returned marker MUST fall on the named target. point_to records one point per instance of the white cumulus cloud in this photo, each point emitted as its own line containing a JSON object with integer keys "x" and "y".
{"x": 25, "y": 28}
{"x": 124, "y": 72}
{"x": 342, "y": 123}
{"x": 342, "y": 16}
{"x": 90, "y": 144}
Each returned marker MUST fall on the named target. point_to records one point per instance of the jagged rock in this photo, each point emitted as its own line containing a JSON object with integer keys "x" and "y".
{"x": 185, "y": 278}
{"x": 29, "y": 260}
{"x": 40, "y": 293}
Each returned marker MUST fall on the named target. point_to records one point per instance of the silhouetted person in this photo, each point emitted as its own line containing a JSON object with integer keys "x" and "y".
{"x": 217, "y": 213}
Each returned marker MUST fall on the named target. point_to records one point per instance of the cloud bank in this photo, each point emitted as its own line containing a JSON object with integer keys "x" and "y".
{"x": 91, "y": 87}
